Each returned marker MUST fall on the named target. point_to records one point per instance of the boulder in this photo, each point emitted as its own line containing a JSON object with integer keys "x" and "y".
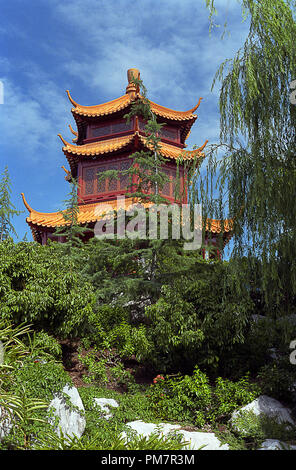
{"x": 195, "y": 439}
{"x": 275, "y": 444}
{"x": 105, "y": 404}
{"x": 71, "y": 418}
{"x": 206, "y": 440}
{"x": 265, "y": 406}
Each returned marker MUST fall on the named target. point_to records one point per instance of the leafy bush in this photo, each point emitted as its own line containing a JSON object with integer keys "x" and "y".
{"x": 197, "y": 320}
{"x": 228, "y": 396}
{"x": 192, "y": 398}
{"x": 50, "y": 441}
{"x": 42, "y": 285}
{"x": 41, "y": 379}
{"x": 42, "y": 345}
{"x": 183, "y": 398}
{"x": 105, "y": 367}
{"x": 278, "y": 379}
{"x": 260, "y": 427}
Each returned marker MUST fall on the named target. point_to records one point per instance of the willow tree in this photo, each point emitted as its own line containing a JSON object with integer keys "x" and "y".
{"x": 256, "y": 175}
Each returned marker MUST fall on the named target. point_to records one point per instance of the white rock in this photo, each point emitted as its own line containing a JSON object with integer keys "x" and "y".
{"x": 145, "y": 429}
{"x": 275, "y": 444}
{"x": 195, "y": 439}
{"x": 5, "y": 423}
{"x": 72, "y": 421}
{"x": 207, "y": 439}
{"x": 267, "y": 406}
{"x": 104, "y": 404}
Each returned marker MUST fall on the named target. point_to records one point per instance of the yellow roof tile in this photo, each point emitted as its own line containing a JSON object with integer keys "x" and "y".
{"x": 97, "y": 148}
{"x": 172, "y": 114}
{"x": 103, "y": 109}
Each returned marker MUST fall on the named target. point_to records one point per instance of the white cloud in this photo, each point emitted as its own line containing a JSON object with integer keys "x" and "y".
{"x": 168, "y": 41}
{"x": 31, "y": 118}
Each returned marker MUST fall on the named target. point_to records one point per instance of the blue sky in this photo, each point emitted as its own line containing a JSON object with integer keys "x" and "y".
{"x": 87, "y": 46}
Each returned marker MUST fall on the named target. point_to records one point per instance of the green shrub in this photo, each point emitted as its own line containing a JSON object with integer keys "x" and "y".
{"x": 42, "y": 379}
{"x": 42, "y": 345}
{"x": 105, "y": 367}
{"x": 229, "y": 395}
{"x": 278, "y": 379}
{"x": 184, "y": 398}
{"x": 261, "y": 427}
{"x": 50, "y": 441}
{"x": 197, "y": 320}
{"x": 109, "y": 328}
{"x": 43, "y": 286}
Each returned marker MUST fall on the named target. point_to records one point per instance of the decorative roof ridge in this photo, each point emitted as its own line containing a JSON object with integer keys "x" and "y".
{"x": 124, "y": 97}
{"x": 116, "y": 143}
{"x": 72, "y": 130}
{"x": 66, "y": 171}
{"x": 165, "y": 108}
{"x": 29, "y": 208}
{"x": 88, "y": 213}
{"x": 63, "y": 140}
{"x": 71, "y": 99}
{"x": 185, "y": 152}
{"x": 203, "y": 146}
{"x": 197, "y": 106}
{"x": 34, "y": 211}
{"x": 215, "y": 225}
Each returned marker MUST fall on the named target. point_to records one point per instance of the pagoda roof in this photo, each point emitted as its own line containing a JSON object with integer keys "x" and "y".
{"x": 124, "y": 101}
{"x": 106, "y": 147}
{"x": 93, "y": 212}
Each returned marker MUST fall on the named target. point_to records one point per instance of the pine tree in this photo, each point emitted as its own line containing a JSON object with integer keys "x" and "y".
{"x": 7, "y": 209}
{"x": 138, "y": 267}
{"x": 72, "y": 230}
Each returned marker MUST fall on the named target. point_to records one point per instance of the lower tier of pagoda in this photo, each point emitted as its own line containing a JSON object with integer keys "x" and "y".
{"x": 43, "y": 225}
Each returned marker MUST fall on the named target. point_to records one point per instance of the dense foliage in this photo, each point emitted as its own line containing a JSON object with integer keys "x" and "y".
{"x": 39, "y": 286}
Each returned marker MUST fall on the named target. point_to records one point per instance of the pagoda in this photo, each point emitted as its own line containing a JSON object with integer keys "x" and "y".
{"x": 104, "y": 140}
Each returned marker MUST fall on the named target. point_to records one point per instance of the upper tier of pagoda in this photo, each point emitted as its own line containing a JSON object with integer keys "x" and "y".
{"x": 118, "y": 107}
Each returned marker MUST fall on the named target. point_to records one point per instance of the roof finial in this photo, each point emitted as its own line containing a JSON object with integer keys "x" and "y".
{"x": 131, "y": 89}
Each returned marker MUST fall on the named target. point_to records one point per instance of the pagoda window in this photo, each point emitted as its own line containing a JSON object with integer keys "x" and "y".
{"x": 89, "y": 177}
{"x": 168, "y": 188}
{"x": 170, "y": 133}
{"x": 116, "y": 127}
{"x": 93, "y": 184}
